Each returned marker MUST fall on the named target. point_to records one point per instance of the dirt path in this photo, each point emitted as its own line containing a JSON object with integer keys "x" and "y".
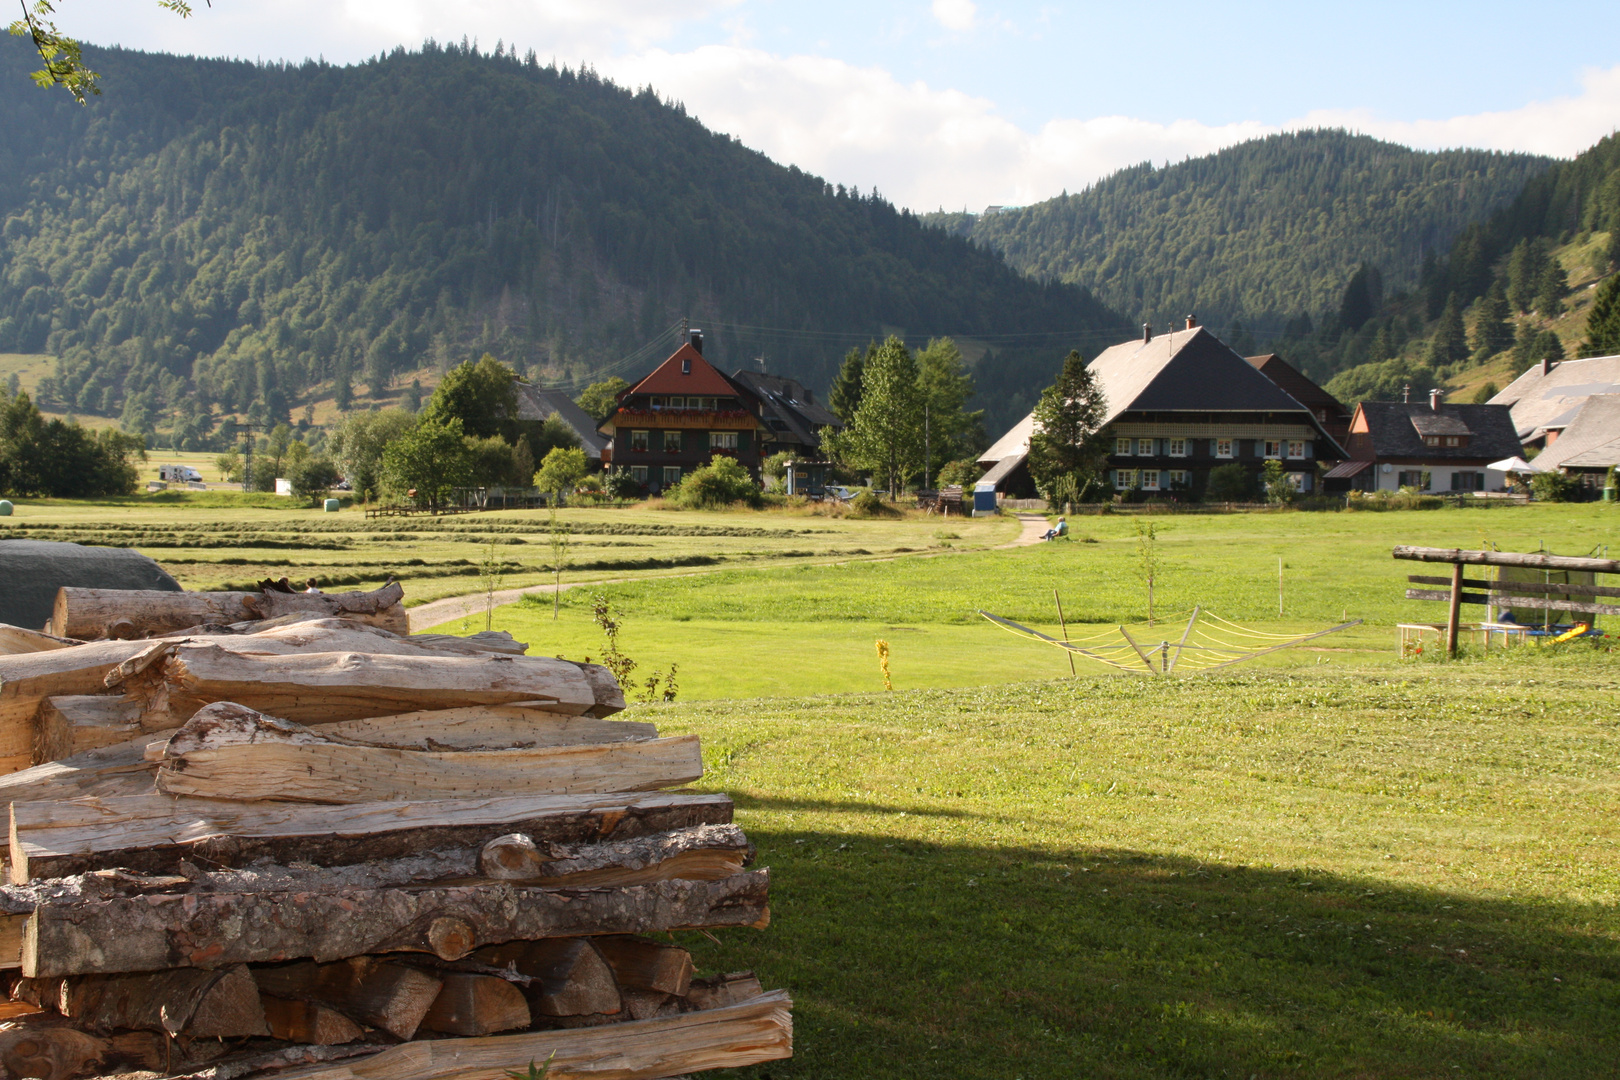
{"x": 471, "y": 606}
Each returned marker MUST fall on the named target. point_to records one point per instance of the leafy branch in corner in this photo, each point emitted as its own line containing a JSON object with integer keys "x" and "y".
{"x": 64, "y": 56}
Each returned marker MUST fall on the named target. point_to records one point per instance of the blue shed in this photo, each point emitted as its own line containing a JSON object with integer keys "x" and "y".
{"x": 984, "y": 498}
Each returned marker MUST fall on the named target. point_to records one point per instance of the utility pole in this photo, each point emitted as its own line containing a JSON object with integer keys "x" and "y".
{"x": 928, "y": 452}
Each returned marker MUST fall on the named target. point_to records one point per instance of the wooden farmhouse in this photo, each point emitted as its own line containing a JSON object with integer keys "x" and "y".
{"x": 793, "y": 423}
{"x": 1547, "y": 398}
{"x": 1330, "y": 412}
{"x": 1589, "y": 445}
{"x": 1179, "y": 406}
{"x": 1430, "y": 446}
{"x": 537, "y": 404}
{"x": 680, "y": 417}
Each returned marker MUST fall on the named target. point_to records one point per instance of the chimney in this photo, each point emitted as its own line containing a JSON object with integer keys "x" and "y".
{"x": 1406, "y": 394}
{"x": 1434, "y": 400}
{"x": 1192, "y": 323}
{"x": 1546, "y": 365}
{"x": 697, "y": 341}
{"x": 1147, "y": 333}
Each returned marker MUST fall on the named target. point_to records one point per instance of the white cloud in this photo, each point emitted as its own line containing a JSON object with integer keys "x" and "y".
{"x": 955, "y": 14}
{"x": 924, "y": 147}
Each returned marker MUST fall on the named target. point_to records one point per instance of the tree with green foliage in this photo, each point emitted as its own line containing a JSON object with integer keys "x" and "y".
{"x": 358, "y": 446}
{"x": 1362, "y": 295}
{"x": 62, "y": 460}
{"x": 1449, "y": 345}
{"x": 494, "y": 463}
{"x": 1485, "y": 392}
{"x": 1549, "y": 346}
{"x": 482, "y": 395}
{"x": 845, "y": 398}
{"x": 1068, "y": 448}
{"x": 229, "y": 465}
{"x": 601, "y": 399}
{"x": 963, "y": 471}
{"x": 63, "y": 56}
{"x": 1554, "y": 486}
{"x": 343, "y": 391}
{"x": 1551, "y": 289}
{"x": 951, "y": 431}
{"x": 1278, "y": 488}
{"x": 885, "y": 436}
{"x": 549, "y": 434}
{"x": 430, "y": 459}
{"x": 312, "y": 478}
{"x": 1523, "y": 273}
{"x": 721, "y": 483}
{"x": 1603, "y": 321}
{"x": 1492, "y": 331}
{"x": 560, "y": 470}
{"x": 1229, "y": 483}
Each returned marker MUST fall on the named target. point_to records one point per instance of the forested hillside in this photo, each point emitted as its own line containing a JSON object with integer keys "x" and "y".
{"x": 213, "y": 237}
{"x": 1257, "y": 234}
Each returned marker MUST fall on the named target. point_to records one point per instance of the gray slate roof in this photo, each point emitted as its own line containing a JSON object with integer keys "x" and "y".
{"x": 1393, "y": 430}
{"x": 1591, "y": 441}
{"x": 537, "y": 403}
{"x": 789, "y": 401}
{"x": 32, "y": 570}
{"x": 1547, "y": 401}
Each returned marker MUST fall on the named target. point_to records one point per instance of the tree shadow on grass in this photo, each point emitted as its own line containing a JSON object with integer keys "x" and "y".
{"x": 910, "y": 959}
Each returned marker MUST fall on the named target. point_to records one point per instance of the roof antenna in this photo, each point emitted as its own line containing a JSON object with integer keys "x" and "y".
{"x": 760, "y": 360}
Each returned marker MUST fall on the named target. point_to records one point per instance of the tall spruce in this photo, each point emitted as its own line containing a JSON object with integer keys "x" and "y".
{"x": 1067, "y": 450}
{"x": 845, "y": 398}
{"x": 951, "y": 431}
{"x": 1603, "y": 321}
{"x": 886, "y": 434}
{"x": 1551, "y": 289}
{"x": 1449, "y": 345}
{"x": 1492, "y": 331}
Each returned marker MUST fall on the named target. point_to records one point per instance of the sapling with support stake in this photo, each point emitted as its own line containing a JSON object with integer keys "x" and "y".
{"x": 490, "y": 575}
{"x": 560, "y": 539}
{"x": 1147, "y": 559}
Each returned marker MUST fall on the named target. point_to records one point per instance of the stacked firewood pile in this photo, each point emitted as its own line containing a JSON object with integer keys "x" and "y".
{"x": 273, "y": 834}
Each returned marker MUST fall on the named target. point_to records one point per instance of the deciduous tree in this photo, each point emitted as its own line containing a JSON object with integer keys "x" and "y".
{"x": 430, "y": 459}
{"x": 600, "y": 399}
{"x": 886, "y": 434}
{"x": 483, "y": 396}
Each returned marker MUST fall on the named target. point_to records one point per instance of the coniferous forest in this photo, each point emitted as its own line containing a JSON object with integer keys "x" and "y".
{"x": 213, "y": 237}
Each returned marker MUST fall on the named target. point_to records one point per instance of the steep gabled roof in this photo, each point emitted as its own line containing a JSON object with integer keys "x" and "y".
{"x": 1393, "y": 430}
{"x": 686, "y": 372}
{"x": 1592, "y": 439}
{"x": 1541, "y": 401}
{"x": 537, "y": 403}
{"x": 1299, "y": 387}
{"x": 790, "y": 402}
{"x": 1185, "y": 371}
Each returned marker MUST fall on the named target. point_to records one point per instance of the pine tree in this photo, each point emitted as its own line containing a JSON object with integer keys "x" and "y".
{"x": 1524, "y": 272}
{"x": 1067, "y": 450}
{"x": 1549, "y": 346}
{"x": 1551, "y": 289}
{"x": 845, "y": 398}
{"x": 1492, "y": 332}
{"x": 1450, "y": 343}
{"x": 1603, "y": 321}
{"x": 1360, "y": 300}
{"x": 344, "y": 393}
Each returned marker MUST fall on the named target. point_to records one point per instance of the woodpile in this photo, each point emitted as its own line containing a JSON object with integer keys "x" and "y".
{"x": 256, "y": 836}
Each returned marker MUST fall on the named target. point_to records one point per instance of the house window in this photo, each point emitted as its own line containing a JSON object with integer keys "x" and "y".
{"x": 1273, "y": 448}
{"x": 1467, "y": 481}
{"x": 638, "y": 473}
{"x": 677, "y": 403}
{"x": 1124, "y": 479}
{"x": 1122, "y": 447}
{"x": 1296, "y": 449}
{"x": 1144, "y": 447}
{"x": 1299, "y": 481}
{"x": 1413, "y": 479}
{"x": 638, "y": 440}
{"x": 1223, "y": 447}
{"x": 1431, "y": 440}
{"x": 672, "y": 475}
{"x": 672, "y": 442}
{"x": 1178, "y": 447}
{"x": 1180, "y": 478}
{"x": 722, "y": 440}
{"x": 1453, "y": 440}
{"x": 1150, "y": 479}
{"x": 709, "y": 403}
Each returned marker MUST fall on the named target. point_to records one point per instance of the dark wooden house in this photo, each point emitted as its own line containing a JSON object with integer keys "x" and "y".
{"x": 1330, "y": 412}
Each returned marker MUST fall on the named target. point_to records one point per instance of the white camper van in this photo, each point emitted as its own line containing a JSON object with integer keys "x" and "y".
{"x": 179, "y": 474}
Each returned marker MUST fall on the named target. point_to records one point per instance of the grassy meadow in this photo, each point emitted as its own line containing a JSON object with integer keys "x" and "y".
{"x": 1329, "y": 862}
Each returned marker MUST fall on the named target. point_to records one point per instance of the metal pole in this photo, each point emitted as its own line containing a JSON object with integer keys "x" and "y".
{"x": 1065, "y": 626}
{"x": 1454, "y": 609}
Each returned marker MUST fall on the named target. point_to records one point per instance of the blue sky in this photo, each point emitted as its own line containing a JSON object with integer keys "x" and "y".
{"x": 970, "y": 102}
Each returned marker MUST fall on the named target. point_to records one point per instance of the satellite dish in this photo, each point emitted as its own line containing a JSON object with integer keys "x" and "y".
{"x": 1386, "y": 467}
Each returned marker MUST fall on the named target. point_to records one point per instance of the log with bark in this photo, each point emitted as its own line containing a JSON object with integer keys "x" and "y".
{"x": 27, "y": 679}
{"x": 390, "y": 996}
{"x": 157, "y": 833}
{"x": 733, "y": 1036}
{"x": 202, "y": 1004}
{"x": 75, "y": 935}
{"x": 49, "y": 1049}
{"x": 133, "y": 613}
{"x": 477, "y": 1005}
{"x": 229, "y": 751}
{"x": 328, "y": 687}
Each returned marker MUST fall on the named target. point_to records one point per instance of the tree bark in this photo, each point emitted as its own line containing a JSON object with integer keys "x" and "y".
{"x": 385, "y": 995}
{"x": 89, "y": 613}
{"x": 228, "y": 751}
{"x": 201, "y": 1004}
{"x": 157, "y": 833}
{"x": 328, "y": 687}
{"x": 149, "y": 932}
{"x": 734, "y": 1036}
{"x": 477, "y": 1005}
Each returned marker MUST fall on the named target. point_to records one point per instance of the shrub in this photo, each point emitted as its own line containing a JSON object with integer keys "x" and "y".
{"x": 1279, "y": 489}
{"x": 619, "y": 484}
{"x": 867, "y": 504}
{"x": 1229, "y": 483}
{"x": 966, "y": 472}
{"x": 1554, "y": 486}
{"x": 719, "y": 484}
{"x": 313, "y": 478}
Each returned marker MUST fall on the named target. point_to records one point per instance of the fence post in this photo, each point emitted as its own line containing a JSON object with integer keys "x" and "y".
{"x": 1454, "y": 609}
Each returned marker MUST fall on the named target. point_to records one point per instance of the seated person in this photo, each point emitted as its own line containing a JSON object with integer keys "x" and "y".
{"x": 1060, "y": 529}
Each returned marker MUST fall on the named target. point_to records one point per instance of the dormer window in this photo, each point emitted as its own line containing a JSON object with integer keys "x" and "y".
{"x": 1431, "y": 440}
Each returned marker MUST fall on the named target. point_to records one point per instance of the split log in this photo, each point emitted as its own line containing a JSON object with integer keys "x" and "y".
{"x": 201, "y": 1004}
{"x": 27, "y": 679}
{"x": 156, "y": 833}
{"x": 120, "y": 769}
{"x": 723, "y": 991}
{"x": 486, "y": 727}
{"x": 15, "y": 639}
{"x": 640, "y": 964}
{"x": 384, "y": 995}
{"x": 149, "y": 932}
{"x": 229, "y": 751}
{"x": 485, "y": 641}
{"x": 340, "y": 635}
{"x": 51, "y": 1053}
{"x": 748, "y": 1033}
{"x": 477, "y": 1005}
{"x": 92, "y": 613}
{"x": 328, "y": 687}
{"x": 646, "y": 1004}
{"x": 74, "y": 723}
{"x": 11, "y": 935}
{"x": 569, "y": 977}
{"x": 308, "y": 1022}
